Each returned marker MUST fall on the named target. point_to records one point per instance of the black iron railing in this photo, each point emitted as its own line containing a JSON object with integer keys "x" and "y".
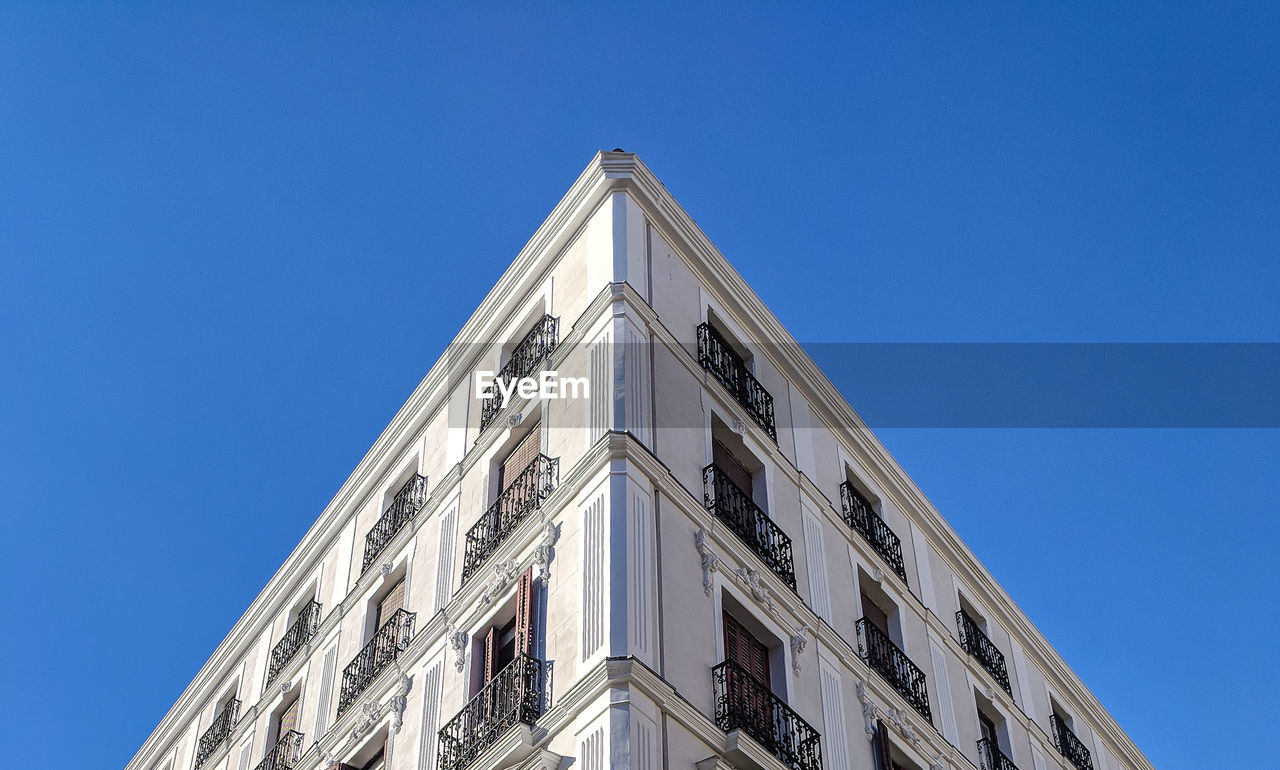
{"x": 527, "y": 356}
{"x": 521, "y": 497}
{"x": 745, "y": 703}
{"x": 513, "y": 696}
{"x": 219, "y": 731}
{"x": 382, "y": 650}
{"x": 717, "y": 356}
{"x": 992, "y": 758}
{"x": 1069, "y": 745}
{"x": 734, "y": 506}
{"x": 879, "y": 652}
{"x": 976, "y": 643}
{"x": 303, "y": 628}
{"x": 406, "y": 504}
{"x": 285, "y": 754}
{"x": 863, "y": 519}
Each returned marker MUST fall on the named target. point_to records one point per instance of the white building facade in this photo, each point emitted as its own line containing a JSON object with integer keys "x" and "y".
{"x": 706, "y": 561}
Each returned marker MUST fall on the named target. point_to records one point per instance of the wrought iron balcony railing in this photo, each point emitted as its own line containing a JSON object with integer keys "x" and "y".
{"x": 1069, "y": 745}
{"x": 381, "y": 651}
{"x": 863, "y": 519}
{"x": 983, "y": 649}
{"x": 521, "y": 497}
{"x": 218, "y": 731}
{"x": 745, "y": 703}
{"x": 718, "y": 357}
{"x": 406, "y": 504}
{"x": 879, "y": 652}
{"x": 733, "y": 506}
{"x": 285, "y": 754}
{"x": 992, "y": 758}
{"x": 536, "y": 347}
{"x": 303, "y": 628}
{"x": 513, "y": 696}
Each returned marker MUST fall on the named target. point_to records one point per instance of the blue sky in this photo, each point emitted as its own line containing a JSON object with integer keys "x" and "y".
{"x": 232, "y": 239}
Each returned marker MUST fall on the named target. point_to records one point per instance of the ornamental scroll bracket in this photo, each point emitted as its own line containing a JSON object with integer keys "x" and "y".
{"x": 546, "y": 550}
{"x": 457, "y": 643}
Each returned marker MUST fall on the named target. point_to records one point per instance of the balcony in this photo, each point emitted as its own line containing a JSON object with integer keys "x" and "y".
{"x": 733, "y": 506}
{"x": 1069, "y": 745}
{"x": 381, "y": 651}
{"x": 521, "y": 497}
{"x": 718, "y": 357}
{"x": 285, "y": 754}
{"x": 983, "y": 649}
{"x": 408, "y": 501}
{"x": 305, "y": 627}
{"x": 514, "y": 696}
{"x": 990, "y": 757}
{"x": 879, "y": 652}
{"x": 744, "y": 703}
{"x": 863, "y": 519}
{"x": 536, "y": 347}
{"x": 218, "y": 732}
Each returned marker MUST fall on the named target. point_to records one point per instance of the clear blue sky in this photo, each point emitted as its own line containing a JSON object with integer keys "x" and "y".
{"x": 232, "y": 239}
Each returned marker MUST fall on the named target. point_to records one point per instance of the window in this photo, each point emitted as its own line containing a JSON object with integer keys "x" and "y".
{"x": 737, "y": 463}
{"x": 743, "y": 648}
{"x": 387, "y": 606}
{"x": 520, "y": 457}
{"x": 511, "y": 633}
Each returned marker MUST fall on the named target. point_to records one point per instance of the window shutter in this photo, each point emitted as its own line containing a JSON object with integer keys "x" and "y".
{"x": 524, "y": 614}
{"x": 490, "y": 651}
{"x": 393, "y": 601}
{"x": 743, "y": 648}
{"x": 525, "y": 452}
{"x": 288, "y": 719}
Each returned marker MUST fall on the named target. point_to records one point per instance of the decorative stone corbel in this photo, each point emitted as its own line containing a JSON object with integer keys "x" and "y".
{"x": 868, "y": 710}
{"x": 756, "y": 585}
{"x": 877, "y": 574}
{"x": 457, "y": 643}
{"x": 546, "y": 550}
{"x": 514, "y": 419}
{"x": 285, "y": 687}
{"x": 798, "y": 643}
{"x": 710, "y": 562}
{"x": 738, "y": 425}
{"x": 503, "y": 573}
{"x": 386, "y": 568}
{"x": 369, "y": 713}
{"x": 400, "y": 699}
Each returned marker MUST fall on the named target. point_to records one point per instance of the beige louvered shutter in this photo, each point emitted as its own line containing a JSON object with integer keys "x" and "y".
{"x": 524, "y": 454}
{"x": 393, "y": 601}
{"x": 288, "y": 719}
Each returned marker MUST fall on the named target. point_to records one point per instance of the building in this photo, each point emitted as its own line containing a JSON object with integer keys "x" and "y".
{"x": 705, "y": 562}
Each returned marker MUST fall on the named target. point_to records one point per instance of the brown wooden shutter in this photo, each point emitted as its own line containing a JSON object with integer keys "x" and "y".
{"x": 878, "y": 617}
{"x": 524, "y": 453}
{"x": 727, "y": 462}
{"x": 745, "y": 650}
{"x": 525, "y": 614}
{"x": 394, "y": 600}
{"x": 884, "y": 759}
{"x": 490, "y": 653}
{"x": 288, "y": 719}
